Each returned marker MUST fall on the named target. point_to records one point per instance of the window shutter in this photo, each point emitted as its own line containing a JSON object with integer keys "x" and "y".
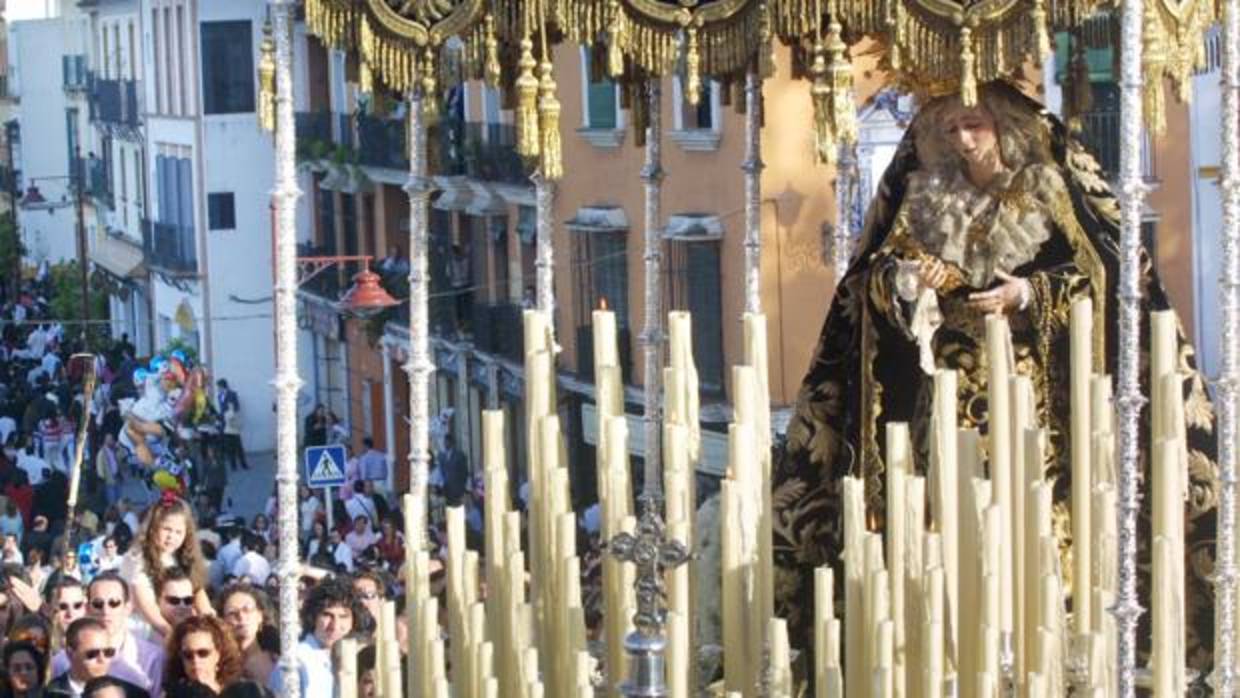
{"x": 705, "y": 294}
{"x": 601, "y": 98}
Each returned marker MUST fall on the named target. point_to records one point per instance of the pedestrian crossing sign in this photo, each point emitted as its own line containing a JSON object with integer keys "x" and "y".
{"x": 325, "y": 466}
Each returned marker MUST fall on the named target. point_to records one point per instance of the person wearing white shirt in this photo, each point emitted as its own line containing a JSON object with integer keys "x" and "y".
{"x": 34, "y": 466}
{"x": 332, "y": 610}
{"x": 8, "y": 425}
{"x": 361, "y": 537}
{"x": 252, "y": 565}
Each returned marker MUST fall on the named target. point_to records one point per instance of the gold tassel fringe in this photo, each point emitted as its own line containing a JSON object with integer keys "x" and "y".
{"x": 820, "y": 95}
{"x": 968, "y": 68}
{"x": 430, "y": 91}
{"x": 493, "y": 72}
{"x": 267, "y": 81}
{"x": 693, "y": 69}
{"x": 843, "y": 110}
{"x": 1043, "y": 36}
{"x": 527, "y": 102}
{"x": 551, "y": 161}
{"x": 615, "y": 41}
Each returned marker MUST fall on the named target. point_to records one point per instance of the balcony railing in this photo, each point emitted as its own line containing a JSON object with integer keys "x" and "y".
{"x": 169, "y": 246}
{"x": 344, "y": 130}
{"x": 115, "y": 102}
{"x": 1100, "y": 132}
{"x": 74, "y": 73}
{"x": 381, "y": 142}
{"x": 497, "y": 329}
{"x": 490, "y": 153}
{"x": 99, "y": 181}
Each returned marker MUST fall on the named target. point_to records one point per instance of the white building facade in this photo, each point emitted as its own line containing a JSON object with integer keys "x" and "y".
{"x": 209, "y": 176}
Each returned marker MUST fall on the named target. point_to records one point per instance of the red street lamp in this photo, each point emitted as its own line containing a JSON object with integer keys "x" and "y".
{"x": 365, "y": 298}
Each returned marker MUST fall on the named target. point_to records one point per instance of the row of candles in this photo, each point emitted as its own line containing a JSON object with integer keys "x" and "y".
{"x": 976, "y": 603}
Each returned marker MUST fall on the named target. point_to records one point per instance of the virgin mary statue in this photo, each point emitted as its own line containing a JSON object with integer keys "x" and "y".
{"x": 993, "y": 208}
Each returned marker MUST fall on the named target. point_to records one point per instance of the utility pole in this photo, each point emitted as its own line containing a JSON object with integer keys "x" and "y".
{"x": 83, "y": 263}
{"x": 10, "y": 130}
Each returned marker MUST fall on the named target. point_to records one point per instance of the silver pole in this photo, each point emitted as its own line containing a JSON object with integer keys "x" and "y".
{"x": 1132, "y": 194}
{"x": 1225, "y": 583}
{"x": 418, "y": 367}
{"x": 652, "y": 335}
{"x": 846, "y": 176}
{"x": 389, "y": 418}
{"x": 287, "y": 382}
{"x": 753, "y": 167}
{"x": 544, "y": 262}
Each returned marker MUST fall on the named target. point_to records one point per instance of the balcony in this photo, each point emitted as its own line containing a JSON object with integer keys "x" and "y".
{"x": 74, "y": 74}
{"x": 99, "y": 181}
{"x": 169, "y": 247}
{"x": 497, "y": 329}
{"x": 490, "y": 153}
{"x": 381, "y": 143}
{"x": 1100, "y": 132}
{"x": 115, "y": 102}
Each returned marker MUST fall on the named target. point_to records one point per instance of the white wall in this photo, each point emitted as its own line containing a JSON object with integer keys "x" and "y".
{"x": 36, "y": 47}
{"x": 1206, "y": 152}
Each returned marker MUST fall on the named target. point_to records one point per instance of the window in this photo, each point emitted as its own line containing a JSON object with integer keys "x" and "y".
{"x": 221, "y": 211}
{"x": 600, "y": 109}
{"x": 327, "y": 220}
{"x": 694, "y": 286}
{"x": 227, "y": 68}
{"x": 348, "y": 216}
{"x": 696, "y": 126}
{"x": 601, "y": 102}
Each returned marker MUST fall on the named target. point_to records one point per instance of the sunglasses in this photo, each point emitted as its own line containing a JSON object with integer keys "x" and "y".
{"x": 200, "y": 653}
{"x": 108, "y": 652}
{"x": 178, "y": 600}
{"x": 66, "y": 606}
{"x": 98, "y": 604}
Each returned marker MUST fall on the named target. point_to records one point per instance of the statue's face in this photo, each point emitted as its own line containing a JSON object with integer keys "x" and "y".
{"x": 971, "y": 133}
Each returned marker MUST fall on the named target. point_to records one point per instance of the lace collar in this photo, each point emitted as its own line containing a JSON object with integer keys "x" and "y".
{"x": 980, "y": 230}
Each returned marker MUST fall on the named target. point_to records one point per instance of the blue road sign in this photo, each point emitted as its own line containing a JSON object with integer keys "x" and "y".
{"x": 325, "y": 466}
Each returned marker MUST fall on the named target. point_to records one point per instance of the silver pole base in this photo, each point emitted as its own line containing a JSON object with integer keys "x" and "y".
{"x": 646, "y": 666}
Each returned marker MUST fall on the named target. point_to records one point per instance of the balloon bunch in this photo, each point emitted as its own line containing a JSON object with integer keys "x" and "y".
{"x": 172, "y": 407}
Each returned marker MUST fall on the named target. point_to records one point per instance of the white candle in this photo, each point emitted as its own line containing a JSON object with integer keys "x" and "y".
{"x": 899, "y": 467}
{"x": 943, "y": 463}
{"x": 603, "y": 324}
{"x": 999, "y": 353}
{"x": 854, "y": 586}
{"x": 1082, "y": 479}
{"x": 1024, "y": 411}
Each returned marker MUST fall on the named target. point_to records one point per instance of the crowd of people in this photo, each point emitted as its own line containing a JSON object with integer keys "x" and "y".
{"x": 152, "y": 587}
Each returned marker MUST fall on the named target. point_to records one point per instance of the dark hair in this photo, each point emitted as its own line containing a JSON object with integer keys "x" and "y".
{"x": 261, "y": 599}
{"x": 187, "y": 688}
{"x": 79, "y": 626}
{"x": 109, "y": 576}
{"x": 99, "y": 683}
{"x": 328, "y": 593}
{"x": 13, "y": 648}
{"x": 63, "y": 582}
{"x": 247, "y": 689}
{"x": 365, "y": 659}
{"x": 174, "y": 574}
{"x": 368, "y": 442}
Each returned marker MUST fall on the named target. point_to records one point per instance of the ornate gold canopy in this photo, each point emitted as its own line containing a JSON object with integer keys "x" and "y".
{"x": 929, "y": 46}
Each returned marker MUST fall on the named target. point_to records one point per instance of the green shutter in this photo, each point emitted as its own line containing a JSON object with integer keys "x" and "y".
{"x": 601, "y": 98}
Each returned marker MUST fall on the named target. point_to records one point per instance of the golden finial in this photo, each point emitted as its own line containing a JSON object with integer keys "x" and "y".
{"x": 267, "y": 81}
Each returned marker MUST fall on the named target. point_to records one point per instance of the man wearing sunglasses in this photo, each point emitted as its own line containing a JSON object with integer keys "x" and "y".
{"x": 91, "y": 655}
{"x": 137, "y": 661}
{"x": 176, "y": 596}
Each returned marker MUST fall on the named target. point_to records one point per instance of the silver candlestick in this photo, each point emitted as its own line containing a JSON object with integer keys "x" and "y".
{"x": 653, "y": 553}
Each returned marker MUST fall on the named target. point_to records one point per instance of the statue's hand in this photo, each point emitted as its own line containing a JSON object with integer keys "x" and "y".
{"x": 1012, "y": 294}
{"x": 934, "y": 273}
